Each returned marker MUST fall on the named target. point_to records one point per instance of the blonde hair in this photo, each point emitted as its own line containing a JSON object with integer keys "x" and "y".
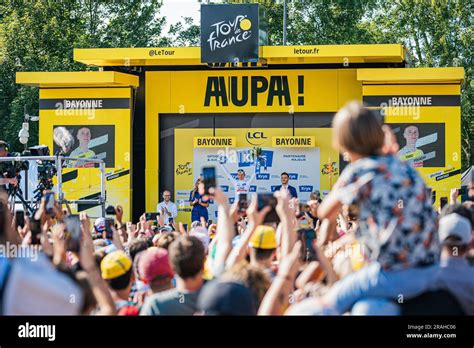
{"x": 357, "y": 129}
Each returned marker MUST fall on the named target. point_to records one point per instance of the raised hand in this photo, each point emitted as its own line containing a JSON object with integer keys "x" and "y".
{"x": 254, "y": 216}
{"x": 119, "y": 214}
{"x": 86, "y": 252}
{"x": 390, "y": 146}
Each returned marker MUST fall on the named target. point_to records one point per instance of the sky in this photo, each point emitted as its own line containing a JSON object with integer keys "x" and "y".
{"x": 173, "y": 10}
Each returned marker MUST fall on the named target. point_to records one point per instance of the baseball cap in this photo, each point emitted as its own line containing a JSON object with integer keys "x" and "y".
{"x": 130, "y": 311}
{"x": 455, "y": 225}
{"x": 264, "y": 237}
{"x": 99, "y": 225}
{"x": 165, "y": 229}
{"x": 115, "y": 264}
{"x": 154, "y": 263}
{"x": 226, "y": 298}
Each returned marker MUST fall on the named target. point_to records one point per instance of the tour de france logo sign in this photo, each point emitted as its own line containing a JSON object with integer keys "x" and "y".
{"x": 229, "y": 33}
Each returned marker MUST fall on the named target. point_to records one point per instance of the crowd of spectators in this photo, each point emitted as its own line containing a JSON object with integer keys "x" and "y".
{"x": 375, "y": 245}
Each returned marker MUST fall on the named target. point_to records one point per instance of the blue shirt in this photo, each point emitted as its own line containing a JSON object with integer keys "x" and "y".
{"x": 457, "y": 276}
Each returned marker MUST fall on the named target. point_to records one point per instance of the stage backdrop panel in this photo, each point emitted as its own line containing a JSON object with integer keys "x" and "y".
{"x": 431, "y": 115}
{"x": 312, "y": 168}
{"x": 100, "y": 118}
{"x": 299, "y": 163}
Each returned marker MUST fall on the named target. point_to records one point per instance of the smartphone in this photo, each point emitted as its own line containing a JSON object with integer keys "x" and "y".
{"x": 462, "y": 191}
{"x": 35, "y": 227}
{"x": 20, "y": 218}
{"x": 110, "y": 210}
{"x": 268, "y": 199}
{"x": 433, "y": 197}
{"x": 49, "y": 197}
{"x": 243, "y": 202}
{"x": 73, "y": 233}
{"x": 151, "y": 216}
{"x": 307, "y": 236}
{"x": 443, "y": 201}
{"x": 109, "y": 225}
{"x": 209, "y": 178}
{"x": 209, "y": 222}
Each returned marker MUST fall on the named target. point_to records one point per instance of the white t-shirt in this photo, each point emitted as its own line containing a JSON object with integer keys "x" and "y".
{"x": 171, "y": 207}
{"x": 240, "y": 186}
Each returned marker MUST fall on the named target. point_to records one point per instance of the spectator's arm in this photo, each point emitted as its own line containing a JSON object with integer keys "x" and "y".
{"x": 330, "y": 207}
{"x": 327, "y": 232}
{"x": 276, "y": 299}
{"x": 288, "y": 233}
{"x": 255, "y": 218}
{"x": 225, "y": 229}
{"x": 86, "y": 258}
{"x": 228, "y": 175}
{"x": 331, "y": 276}
{"x": 453, "y": 196}
{"x": 116, "y": 239}
{"x": 59, "y": 244}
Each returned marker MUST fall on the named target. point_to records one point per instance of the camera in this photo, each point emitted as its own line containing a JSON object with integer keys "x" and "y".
{"x": 11, "y": 169}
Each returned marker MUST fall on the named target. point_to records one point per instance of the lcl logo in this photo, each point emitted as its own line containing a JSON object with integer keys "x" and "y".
{"x": 255, "y": 138}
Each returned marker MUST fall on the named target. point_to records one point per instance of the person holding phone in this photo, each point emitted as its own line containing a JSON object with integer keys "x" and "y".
{"x": 199, "y": 204}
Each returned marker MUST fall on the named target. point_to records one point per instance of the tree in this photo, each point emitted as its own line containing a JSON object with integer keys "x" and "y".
{"x": 40, "y": 36}
{"x": 436, "y": 34}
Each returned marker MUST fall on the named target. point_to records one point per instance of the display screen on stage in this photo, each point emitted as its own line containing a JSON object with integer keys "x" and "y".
{"x": 90, "y": 141}
{"x": 310, "y": 168}
{"x": 422, "y": 144}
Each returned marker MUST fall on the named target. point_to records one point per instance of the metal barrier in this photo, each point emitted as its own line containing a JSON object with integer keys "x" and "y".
{"x": 59, "y": 161}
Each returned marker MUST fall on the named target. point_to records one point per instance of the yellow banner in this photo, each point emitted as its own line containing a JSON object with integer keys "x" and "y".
{"x": 293, "y": 141}
{"x": 214, "y": 142}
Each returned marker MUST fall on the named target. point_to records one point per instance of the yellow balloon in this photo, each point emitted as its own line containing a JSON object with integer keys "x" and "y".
{"x": 245, "y": 24}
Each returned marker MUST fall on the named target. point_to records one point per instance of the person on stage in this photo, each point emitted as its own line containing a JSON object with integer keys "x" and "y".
{"x": 284, "y": 177}
{"x": 240, "y": 184}
{"x": 198, "y": 203}
{"x": 167, "y": 208}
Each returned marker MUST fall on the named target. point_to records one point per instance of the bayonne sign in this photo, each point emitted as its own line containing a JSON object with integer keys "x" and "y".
{"x": 229, "y": 33}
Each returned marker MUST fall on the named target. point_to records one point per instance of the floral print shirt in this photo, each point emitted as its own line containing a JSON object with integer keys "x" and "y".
{"x": 398, "y": 225}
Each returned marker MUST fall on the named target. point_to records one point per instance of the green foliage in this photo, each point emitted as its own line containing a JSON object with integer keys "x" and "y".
{"x": 39, "y": 35}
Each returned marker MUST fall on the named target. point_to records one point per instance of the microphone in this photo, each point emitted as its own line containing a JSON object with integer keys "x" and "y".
{"x": 63, "y": 138}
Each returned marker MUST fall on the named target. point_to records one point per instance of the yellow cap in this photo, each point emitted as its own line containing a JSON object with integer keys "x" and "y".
{"x": 115, "y": 264}
{"x": 264, "y": 237}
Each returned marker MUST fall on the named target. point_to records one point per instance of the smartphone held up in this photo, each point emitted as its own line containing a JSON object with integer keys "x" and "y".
{"x": 73, "y": 232}
{"x": 209, "y": 179}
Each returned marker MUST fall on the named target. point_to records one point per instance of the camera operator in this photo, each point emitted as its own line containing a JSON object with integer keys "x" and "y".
{"x": 4, "y": 152}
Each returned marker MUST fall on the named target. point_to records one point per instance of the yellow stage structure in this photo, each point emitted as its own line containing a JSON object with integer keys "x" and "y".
{"x": 158, "y": 115}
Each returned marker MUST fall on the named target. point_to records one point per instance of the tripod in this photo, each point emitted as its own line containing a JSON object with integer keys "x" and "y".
{"x": 15, "y": 192}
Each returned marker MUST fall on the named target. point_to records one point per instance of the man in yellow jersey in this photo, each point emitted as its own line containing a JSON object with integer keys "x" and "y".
{"x": 409, "y": 152}
{"x": 83, "y": 151}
